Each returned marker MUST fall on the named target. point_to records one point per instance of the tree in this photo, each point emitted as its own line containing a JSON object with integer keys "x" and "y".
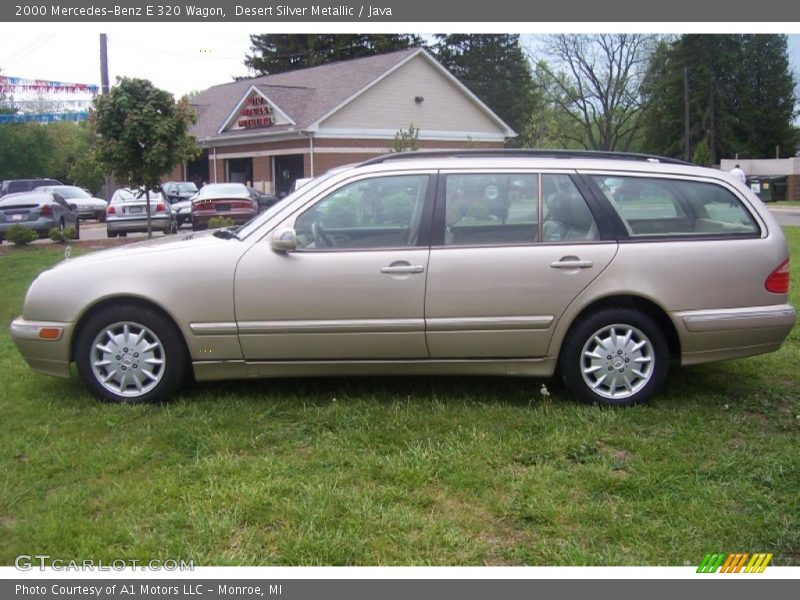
{"x": 406, "y": 140}
{"x": 143, "y": 134}
{"x": 710, "y": 96}
{"x": 277, "y": 53}
{"x": 33, "y": 161}
{"x": 595, "y": 82}
{"x": 496, "y": 70}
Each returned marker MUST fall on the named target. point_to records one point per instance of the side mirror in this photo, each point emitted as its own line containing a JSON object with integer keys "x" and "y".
{"x": 73, "y": 206}
{"x": 284, "y": 240}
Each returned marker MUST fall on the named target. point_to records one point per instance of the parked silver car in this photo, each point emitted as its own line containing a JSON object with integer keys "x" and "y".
{"x": 89, "y": 207}
{"x": 127, "y": 213}
{"x": 40, "y": 211}
{"x": 603, "y": 268}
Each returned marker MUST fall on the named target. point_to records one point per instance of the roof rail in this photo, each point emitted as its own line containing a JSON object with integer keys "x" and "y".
{"x": 524, "y": 153}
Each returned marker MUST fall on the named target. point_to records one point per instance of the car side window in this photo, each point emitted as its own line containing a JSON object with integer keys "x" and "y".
{"x": 673, "y": 207}
{"x": 379, "y": 212}
{"x": 567, "y": 218}
{"x": 489, "y": 209}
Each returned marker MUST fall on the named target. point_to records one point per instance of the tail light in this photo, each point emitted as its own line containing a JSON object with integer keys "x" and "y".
{"x": 200, "y": 206}
{"x": 110, "y": 210}
{"x": 778, "y": 280}
{"x": 160, "y": 207}
{"x": 47, "y": 210}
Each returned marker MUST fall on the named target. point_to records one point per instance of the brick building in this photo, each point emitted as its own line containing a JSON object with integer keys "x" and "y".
{"x": 274, "y": 129}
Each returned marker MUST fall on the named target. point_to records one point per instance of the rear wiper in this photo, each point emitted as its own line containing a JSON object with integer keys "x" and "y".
{"x": 226, "y": 234}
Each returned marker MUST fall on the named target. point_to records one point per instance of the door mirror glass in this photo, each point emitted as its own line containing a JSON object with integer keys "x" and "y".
{"x": 284, "y": 240}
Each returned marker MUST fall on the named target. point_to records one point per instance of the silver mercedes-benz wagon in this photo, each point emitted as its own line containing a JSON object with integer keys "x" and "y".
{"x": 602, "y": 268}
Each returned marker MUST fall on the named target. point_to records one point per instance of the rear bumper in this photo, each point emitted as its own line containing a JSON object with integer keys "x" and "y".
{"x": 117, "y": 225}
{"x": 49, "y": 356}
{"x": 711, "y": 335}
{"x": 39, "y": 225}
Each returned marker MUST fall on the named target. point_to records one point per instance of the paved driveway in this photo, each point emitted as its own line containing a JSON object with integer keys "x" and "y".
{"x": 786, "y": 216}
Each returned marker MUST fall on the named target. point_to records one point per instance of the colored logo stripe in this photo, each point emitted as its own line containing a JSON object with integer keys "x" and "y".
{"x": 734, "y": 563}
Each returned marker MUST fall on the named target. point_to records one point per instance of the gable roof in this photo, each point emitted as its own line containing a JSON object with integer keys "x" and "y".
{"x": 307, "y": 96}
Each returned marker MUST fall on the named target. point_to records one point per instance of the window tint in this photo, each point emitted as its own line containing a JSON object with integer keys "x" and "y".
{"x": 669, "y": 207}
{"x": 491, "y": 209}
{"x": 380, "y": 212}
{"x": 566, "y": 216}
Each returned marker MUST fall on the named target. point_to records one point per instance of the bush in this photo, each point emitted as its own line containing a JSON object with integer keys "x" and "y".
{"x": 57, "y": 235}
{"x": 20, "y": 236}
{"x": 217, "y": 222}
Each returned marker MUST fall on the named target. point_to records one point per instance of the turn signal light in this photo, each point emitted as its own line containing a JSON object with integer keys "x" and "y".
{"x": 778, "y": 280}
{"x": 49, "y": 333}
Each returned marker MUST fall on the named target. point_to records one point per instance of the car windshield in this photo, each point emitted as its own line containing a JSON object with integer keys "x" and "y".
{"x": 256, "y": 221}
{"x": 69, "y": 193}
{"x": 188, "y": 187}
{"x": 222, "y": 190}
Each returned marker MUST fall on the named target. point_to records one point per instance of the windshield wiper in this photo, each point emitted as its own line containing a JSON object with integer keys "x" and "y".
{"x": 226, "y": 234}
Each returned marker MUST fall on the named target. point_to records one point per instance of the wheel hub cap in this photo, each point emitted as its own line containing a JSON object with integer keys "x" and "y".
{"x": 128, "y": 359}
{"x": 617, "y": 361}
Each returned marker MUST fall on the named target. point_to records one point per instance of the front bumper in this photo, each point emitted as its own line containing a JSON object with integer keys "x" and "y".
{"x": 44, "y": 355}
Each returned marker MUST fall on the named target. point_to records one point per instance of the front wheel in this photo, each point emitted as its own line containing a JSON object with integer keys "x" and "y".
{"x": 130, "y": 354}
{"x": 616, "y": 357}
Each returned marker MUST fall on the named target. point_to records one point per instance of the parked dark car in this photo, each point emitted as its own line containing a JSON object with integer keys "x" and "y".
{"x": 40, "y": 211}
{"x": 232, "y": 200}
{"x": 264, "y": 200}
{"x": 177, "y": 191}
{"x": 14, "y": 186}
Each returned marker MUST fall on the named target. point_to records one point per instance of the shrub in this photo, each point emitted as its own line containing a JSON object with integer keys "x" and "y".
{"x": 20, "y": 236}
{"x": 217, "y": 222}
{"x": 71, "y": 233}
{"x": 57, "y": 235}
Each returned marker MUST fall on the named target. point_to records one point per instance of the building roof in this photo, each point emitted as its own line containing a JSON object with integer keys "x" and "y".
{"x": 305, "y": 96}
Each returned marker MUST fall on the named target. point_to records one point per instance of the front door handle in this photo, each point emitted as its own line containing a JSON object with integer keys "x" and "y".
{"x": 571, "y": 263}
{"x": 395, "y": 269}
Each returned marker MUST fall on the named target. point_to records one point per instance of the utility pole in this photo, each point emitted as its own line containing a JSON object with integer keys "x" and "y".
{"x": 104, "y": 89}
{"x": 686, "y": 145}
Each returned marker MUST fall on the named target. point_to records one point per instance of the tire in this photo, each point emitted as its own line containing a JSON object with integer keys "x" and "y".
{"x": 638, "y": 363}
{"x": 111, "y": 234}
{"x": 149, "y": 366}
{"x": 77, "y": 229}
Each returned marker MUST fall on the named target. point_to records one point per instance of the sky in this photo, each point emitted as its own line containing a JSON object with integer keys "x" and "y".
{"x": 180, "y": 58}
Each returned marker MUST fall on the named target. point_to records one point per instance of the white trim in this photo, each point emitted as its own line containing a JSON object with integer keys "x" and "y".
{"x": 227, "y": 122}
{"x": 507, "y": 133}
{"x": 388, "y": 134}
{"x": 235, "y": 140}
{"x": 317, "y": 150}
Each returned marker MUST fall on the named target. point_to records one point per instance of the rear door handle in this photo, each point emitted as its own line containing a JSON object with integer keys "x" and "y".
{"x": 572, "y": 264}
{"x": 394, "y": 270}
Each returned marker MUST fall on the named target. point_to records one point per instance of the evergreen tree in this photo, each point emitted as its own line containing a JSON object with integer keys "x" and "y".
{"x": 720, "y": 96}
{"x": 496, "y": 70}
{"x": 277, "y": 53}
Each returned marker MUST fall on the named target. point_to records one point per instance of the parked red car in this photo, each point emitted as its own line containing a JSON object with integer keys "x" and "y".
{"x": 233, "y": 200}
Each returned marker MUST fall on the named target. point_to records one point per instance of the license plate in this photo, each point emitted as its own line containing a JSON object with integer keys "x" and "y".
{"x": 223, "y": 207}
{"x": 16, "y": 217}
{"x": 134, "y": 210}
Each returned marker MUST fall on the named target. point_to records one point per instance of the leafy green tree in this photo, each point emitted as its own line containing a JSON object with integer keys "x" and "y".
{"x": 143, "y": 134}
{"x": 24, "y": 150}
{"x": 496, "y": 69}
{"x": 276, "y": 53}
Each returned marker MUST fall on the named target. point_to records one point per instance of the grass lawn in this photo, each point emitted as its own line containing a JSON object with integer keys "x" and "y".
{"x": 389, "y": 471}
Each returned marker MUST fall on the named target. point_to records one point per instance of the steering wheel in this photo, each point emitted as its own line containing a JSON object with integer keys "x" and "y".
{"x": 321, "y": 239}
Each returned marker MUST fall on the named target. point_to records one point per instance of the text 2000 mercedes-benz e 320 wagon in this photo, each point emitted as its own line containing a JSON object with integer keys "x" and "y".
{"x": 602, "y": 267}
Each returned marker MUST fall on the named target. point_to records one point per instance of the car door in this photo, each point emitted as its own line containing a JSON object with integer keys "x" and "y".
{"x": 354, "y": 289}
{"x": 510, "y": 252}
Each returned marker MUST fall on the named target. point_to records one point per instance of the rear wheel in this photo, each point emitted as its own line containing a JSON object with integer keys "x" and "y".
{"x": 130, "y": 354}
{"x": 617, "y": 357}
{"x": 77, "y": 229}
